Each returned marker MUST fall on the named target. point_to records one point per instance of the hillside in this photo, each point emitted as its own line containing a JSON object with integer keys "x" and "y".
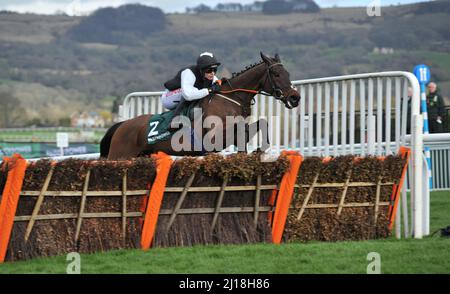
{"x": 41, "y": 50}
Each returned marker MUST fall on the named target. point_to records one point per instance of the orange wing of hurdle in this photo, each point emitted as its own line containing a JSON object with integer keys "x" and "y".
{"x": 10, "y": 199}
{"x": 285, "y": 195}
{"x": 155, "y": 198}
{"x": 404, "y": 152}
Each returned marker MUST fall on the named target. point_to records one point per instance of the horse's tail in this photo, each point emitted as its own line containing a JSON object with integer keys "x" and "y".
{"x": 105, "y": 143}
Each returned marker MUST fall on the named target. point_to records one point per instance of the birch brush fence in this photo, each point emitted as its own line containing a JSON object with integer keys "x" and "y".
{"x": 50, "y": 208}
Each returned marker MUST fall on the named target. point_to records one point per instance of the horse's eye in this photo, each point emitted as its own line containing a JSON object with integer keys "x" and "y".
{"x": 276, "y": 74}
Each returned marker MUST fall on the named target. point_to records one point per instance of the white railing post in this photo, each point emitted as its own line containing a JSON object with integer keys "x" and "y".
{"x": 416, "y": 188}
{"x": 121, "y": 115}
{"x": 425, "y": 199}
{"x": 371, "y": 130}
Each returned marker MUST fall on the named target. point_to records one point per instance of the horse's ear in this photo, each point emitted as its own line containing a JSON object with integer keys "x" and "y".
{"x": 265, "y": 58}
{"x": 277, "y": 57}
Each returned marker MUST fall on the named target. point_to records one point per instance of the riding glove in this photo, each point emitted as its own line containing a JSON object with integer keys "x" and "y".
{"x": 215, "y": 88}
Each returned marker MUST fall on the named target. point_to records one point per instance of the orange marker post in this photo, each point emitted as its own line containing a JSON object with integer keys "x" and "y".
{"x": 164, "y": 163}
{"x": 285, "y": 195}
{"x": 10, "y": 199}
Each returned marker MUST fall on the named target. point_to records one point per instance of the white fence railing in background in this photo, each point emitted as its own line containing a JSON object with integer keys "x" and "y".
{"x": 440, "y": 166}
{"x": 354, "y": 114}
{"x": 139, "y": 103}
{"x": 439, "y": 145}
{"x": 60, "y": 158}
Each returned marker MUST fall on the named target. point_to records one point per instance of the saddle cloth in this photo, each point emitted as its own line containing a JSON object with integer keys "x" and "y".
{"x": 159, "y": 124}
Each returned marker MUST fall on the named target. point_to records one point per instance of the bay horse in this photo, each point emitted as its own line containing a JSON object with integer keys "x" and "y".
{"x": 128, "y": 139}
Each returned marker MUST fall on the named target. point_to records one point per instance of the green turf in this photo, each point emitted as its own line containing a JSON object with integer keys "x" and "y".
{"x": 440, "y": 58}
{"x": 429, "y": 255}
{"x": 439, "y": 210}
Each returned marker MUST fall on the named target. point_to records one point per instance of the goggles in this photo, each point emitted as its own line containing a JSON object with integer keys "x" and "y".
{"x": 211, "y": 70}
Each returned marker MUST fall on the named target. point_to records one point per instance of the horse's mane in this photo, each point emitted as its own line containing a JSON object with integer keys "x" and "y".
{"x": 249, "y": 67}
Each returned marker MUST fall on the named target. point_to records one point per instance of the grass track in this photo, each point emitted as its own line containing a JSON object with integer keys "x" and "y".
{"x": 429, "y": 255}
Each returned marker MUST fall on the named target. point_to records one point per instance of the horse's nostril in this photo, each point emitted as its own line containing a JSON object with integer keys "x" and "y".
{"x": 294, "y": 100}
{"x": 278, "y": 93}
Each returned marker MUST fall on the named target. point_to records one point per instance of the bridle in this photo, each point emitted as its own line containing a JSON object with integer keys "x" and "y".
{"x": 277, "y": 92}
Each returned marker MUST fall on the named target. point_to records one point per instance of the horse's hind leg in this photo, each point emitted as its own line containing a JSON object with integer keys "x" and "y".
{"x": 128, "y": 140}
{"x": 125, "y": 151}
{"x": 105, "y": 143}
{"x": 124, "y": 148}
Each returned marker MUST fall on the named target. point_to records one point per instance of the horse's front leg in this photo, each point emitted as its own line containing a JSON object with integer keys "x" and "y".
{"x": 240, "y": 136}
{"x": 253, "y": 129}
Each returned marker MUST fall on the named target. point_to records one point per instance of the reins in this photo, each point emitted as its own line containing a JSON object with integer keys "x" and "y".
{"x": 272, "y": 83}
{"x": 274, "y": 87}
{"x": 240, "y": 90}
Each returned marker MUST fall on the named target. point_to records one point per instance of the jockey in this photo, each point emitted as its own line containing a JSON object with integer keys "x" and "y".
{"x": 193, "y": 82}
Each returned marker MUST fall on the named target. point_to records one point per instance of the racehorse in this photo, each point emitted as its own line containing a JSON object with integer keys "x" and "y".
{"x": 128, "y": 139}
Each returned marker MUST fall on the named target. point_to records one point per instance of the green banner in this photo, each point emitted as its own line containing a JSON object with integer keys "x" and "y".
{"x": 27, "y": 150}
{"x": 36, "y": 150}
{"x": 50, "y": 150}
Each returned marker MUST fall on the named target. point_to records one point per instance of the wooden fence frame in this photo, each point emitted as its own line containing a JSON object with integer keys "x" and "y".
{"x": 256, "y": 209}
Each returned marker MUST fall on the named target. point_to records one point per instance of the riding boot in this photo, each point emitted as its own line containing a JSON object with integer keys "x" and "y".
{"x": 176, "y": 113}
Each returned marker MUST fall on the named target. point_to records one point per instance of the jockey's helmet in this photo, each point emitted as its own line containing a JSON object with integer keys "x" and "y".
{"x": 207, "y": 60}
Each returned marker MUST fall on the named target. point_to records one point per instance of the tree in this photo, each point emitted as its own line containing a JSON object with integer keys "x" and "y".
{"x": 116, "y": 104}
{"x": 10, "y": 109}
{"x": 201, "y": 8}
{"x": 119, "y": 25}
{"x": 305, "y": 6}
{"x": 288, "y": 6}
{"x": 277, "y": 7}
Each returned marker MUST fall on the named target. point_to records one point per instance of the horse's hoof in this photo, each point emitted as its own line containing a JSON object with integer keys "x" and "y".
{"x": 258, "y": 151}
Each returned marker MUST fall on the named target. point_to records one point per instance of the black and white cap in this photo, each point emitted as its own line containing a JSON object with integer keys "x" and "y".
{"x": 207, "y": 60}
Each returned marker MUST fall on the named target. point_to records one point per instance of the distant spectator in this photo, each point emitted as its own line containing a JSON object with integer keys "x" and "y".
{"x": 435, "y": 108}
{"x": 408, "y": 113}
